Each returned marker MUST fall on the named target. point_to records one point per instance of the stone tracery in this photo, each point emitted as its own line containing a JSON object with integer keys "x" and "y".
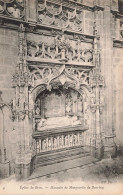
{"x": 13, "y": 8}
{"x": 59, "y": 15}
{"x": 60, "y": 48}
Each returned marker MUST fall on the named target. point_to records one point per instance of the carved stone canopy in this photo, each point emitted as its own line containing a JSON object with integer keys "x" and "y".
{"x": 63, "y": 75}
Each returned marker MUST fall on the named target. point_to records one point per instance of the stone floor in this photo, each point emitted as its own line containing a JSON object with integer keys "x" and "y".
{"x": 95, "y": 178}
{"x": 106, "y": 170}
{"x": 65, "y": 166}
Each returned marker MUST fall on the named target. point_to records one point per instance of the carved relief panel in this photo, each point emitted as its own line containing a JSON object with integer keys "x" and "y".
{"x": 12, "y": 8}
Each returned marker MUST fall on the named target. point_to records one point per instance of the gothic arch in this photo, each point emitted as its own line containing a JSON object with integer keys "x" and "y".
{"x": 42, "y": 87}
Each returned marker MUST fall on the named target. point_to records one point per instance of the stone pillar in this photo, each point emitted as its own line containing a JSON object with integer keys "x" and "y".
{"x": 21, "y": 80}
{"x": 23, "y": 150}
{"x": 97, "y": 83}
{"x": 106, "y": 43}
{"x": 96, "y": 138}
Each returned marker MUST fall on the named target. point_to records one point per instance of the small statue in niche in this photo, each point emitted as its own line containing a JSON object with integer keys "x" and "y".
{"x": 66, "y": 140}
{"x": 92, "y": 99}
{"x": 71, "y": 140}
{"x": 38, "y": 150}
{"x": 37, "y": 107}
{"x": 60, "y": 142}
{"x": 69, "y": 103}
{"x": 44, "y": 145}
{"x": 55, "y": 143}
{"x": 37, "y": 111}
{"x": 47, "y": 148}
{"x": 68, "y": 106}
{"x": 75, "y": 139}
{"x": 80, "y": 104}
{"x": 80, "y": 139}
{"x": 78, "y": 135}
{"x": 49, "y": 144}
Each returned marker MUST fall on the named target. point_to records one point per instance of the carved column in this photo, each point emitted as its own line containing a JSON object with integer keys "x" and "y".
{"x": 4, "y": 163}
{"x": 22, "y": 112}
{"x": 96, "y": 106}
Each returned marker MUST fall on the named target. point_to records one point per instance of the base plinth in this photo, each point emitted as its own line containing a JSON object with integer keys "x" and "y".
{"x": 22, "y": 171}
{"x": 110, "y": 148}
{"x": 4, "y": 169}
{"x": 110, "y": 151}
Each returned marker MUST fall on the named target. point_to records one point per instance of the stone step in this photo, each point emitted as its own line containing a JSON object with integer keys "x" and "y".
{"x": 59, "y": 156}
{"x": 62, "y": 166}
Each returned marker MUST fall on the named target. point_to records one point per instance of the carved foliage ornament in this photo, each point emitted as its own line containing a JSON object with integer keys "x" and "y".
{"x": 96, "y": 78}
{"x": 20, "y": 115}
{"x": 12, "y": 8}
{"x": 97, "y": 81}
{"x": 61, "y": 48}
{"x": 50, "y": 13}
{"x": 21, "y": 78}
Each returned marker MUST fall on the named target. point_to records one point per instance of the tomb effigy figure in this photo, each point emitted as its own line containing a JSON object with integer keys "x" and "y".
{"x": 58, "y": 122}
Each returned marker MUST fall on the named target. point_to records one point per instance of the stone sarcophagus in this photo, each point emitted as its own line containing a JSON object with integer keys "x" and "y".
{"x": 59, "y": 119}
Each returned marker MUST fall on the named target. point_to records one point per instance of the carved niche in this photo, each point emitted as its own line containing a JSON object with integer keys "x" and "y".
{"x": 59, "y": 107}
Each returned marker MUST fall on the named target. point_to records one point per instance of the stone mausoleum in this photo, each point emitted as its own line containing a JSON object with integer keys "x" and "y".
{"x": 60, "y": 82}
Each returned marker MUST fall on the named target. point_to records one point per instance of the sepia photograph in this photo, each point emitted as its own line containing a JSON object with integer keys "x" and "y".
{"x": 61, "y": 97}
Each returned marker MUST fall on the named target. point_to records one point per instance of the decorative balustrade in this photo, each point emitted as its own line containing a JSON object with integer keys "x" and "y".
{"x": 61, "y": 141}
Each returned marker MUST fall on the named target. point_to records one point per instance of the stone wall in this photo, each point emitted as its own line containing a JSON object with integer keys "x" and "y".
{"x": 8, "y": 62}
{"x": 118, "y": 93}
